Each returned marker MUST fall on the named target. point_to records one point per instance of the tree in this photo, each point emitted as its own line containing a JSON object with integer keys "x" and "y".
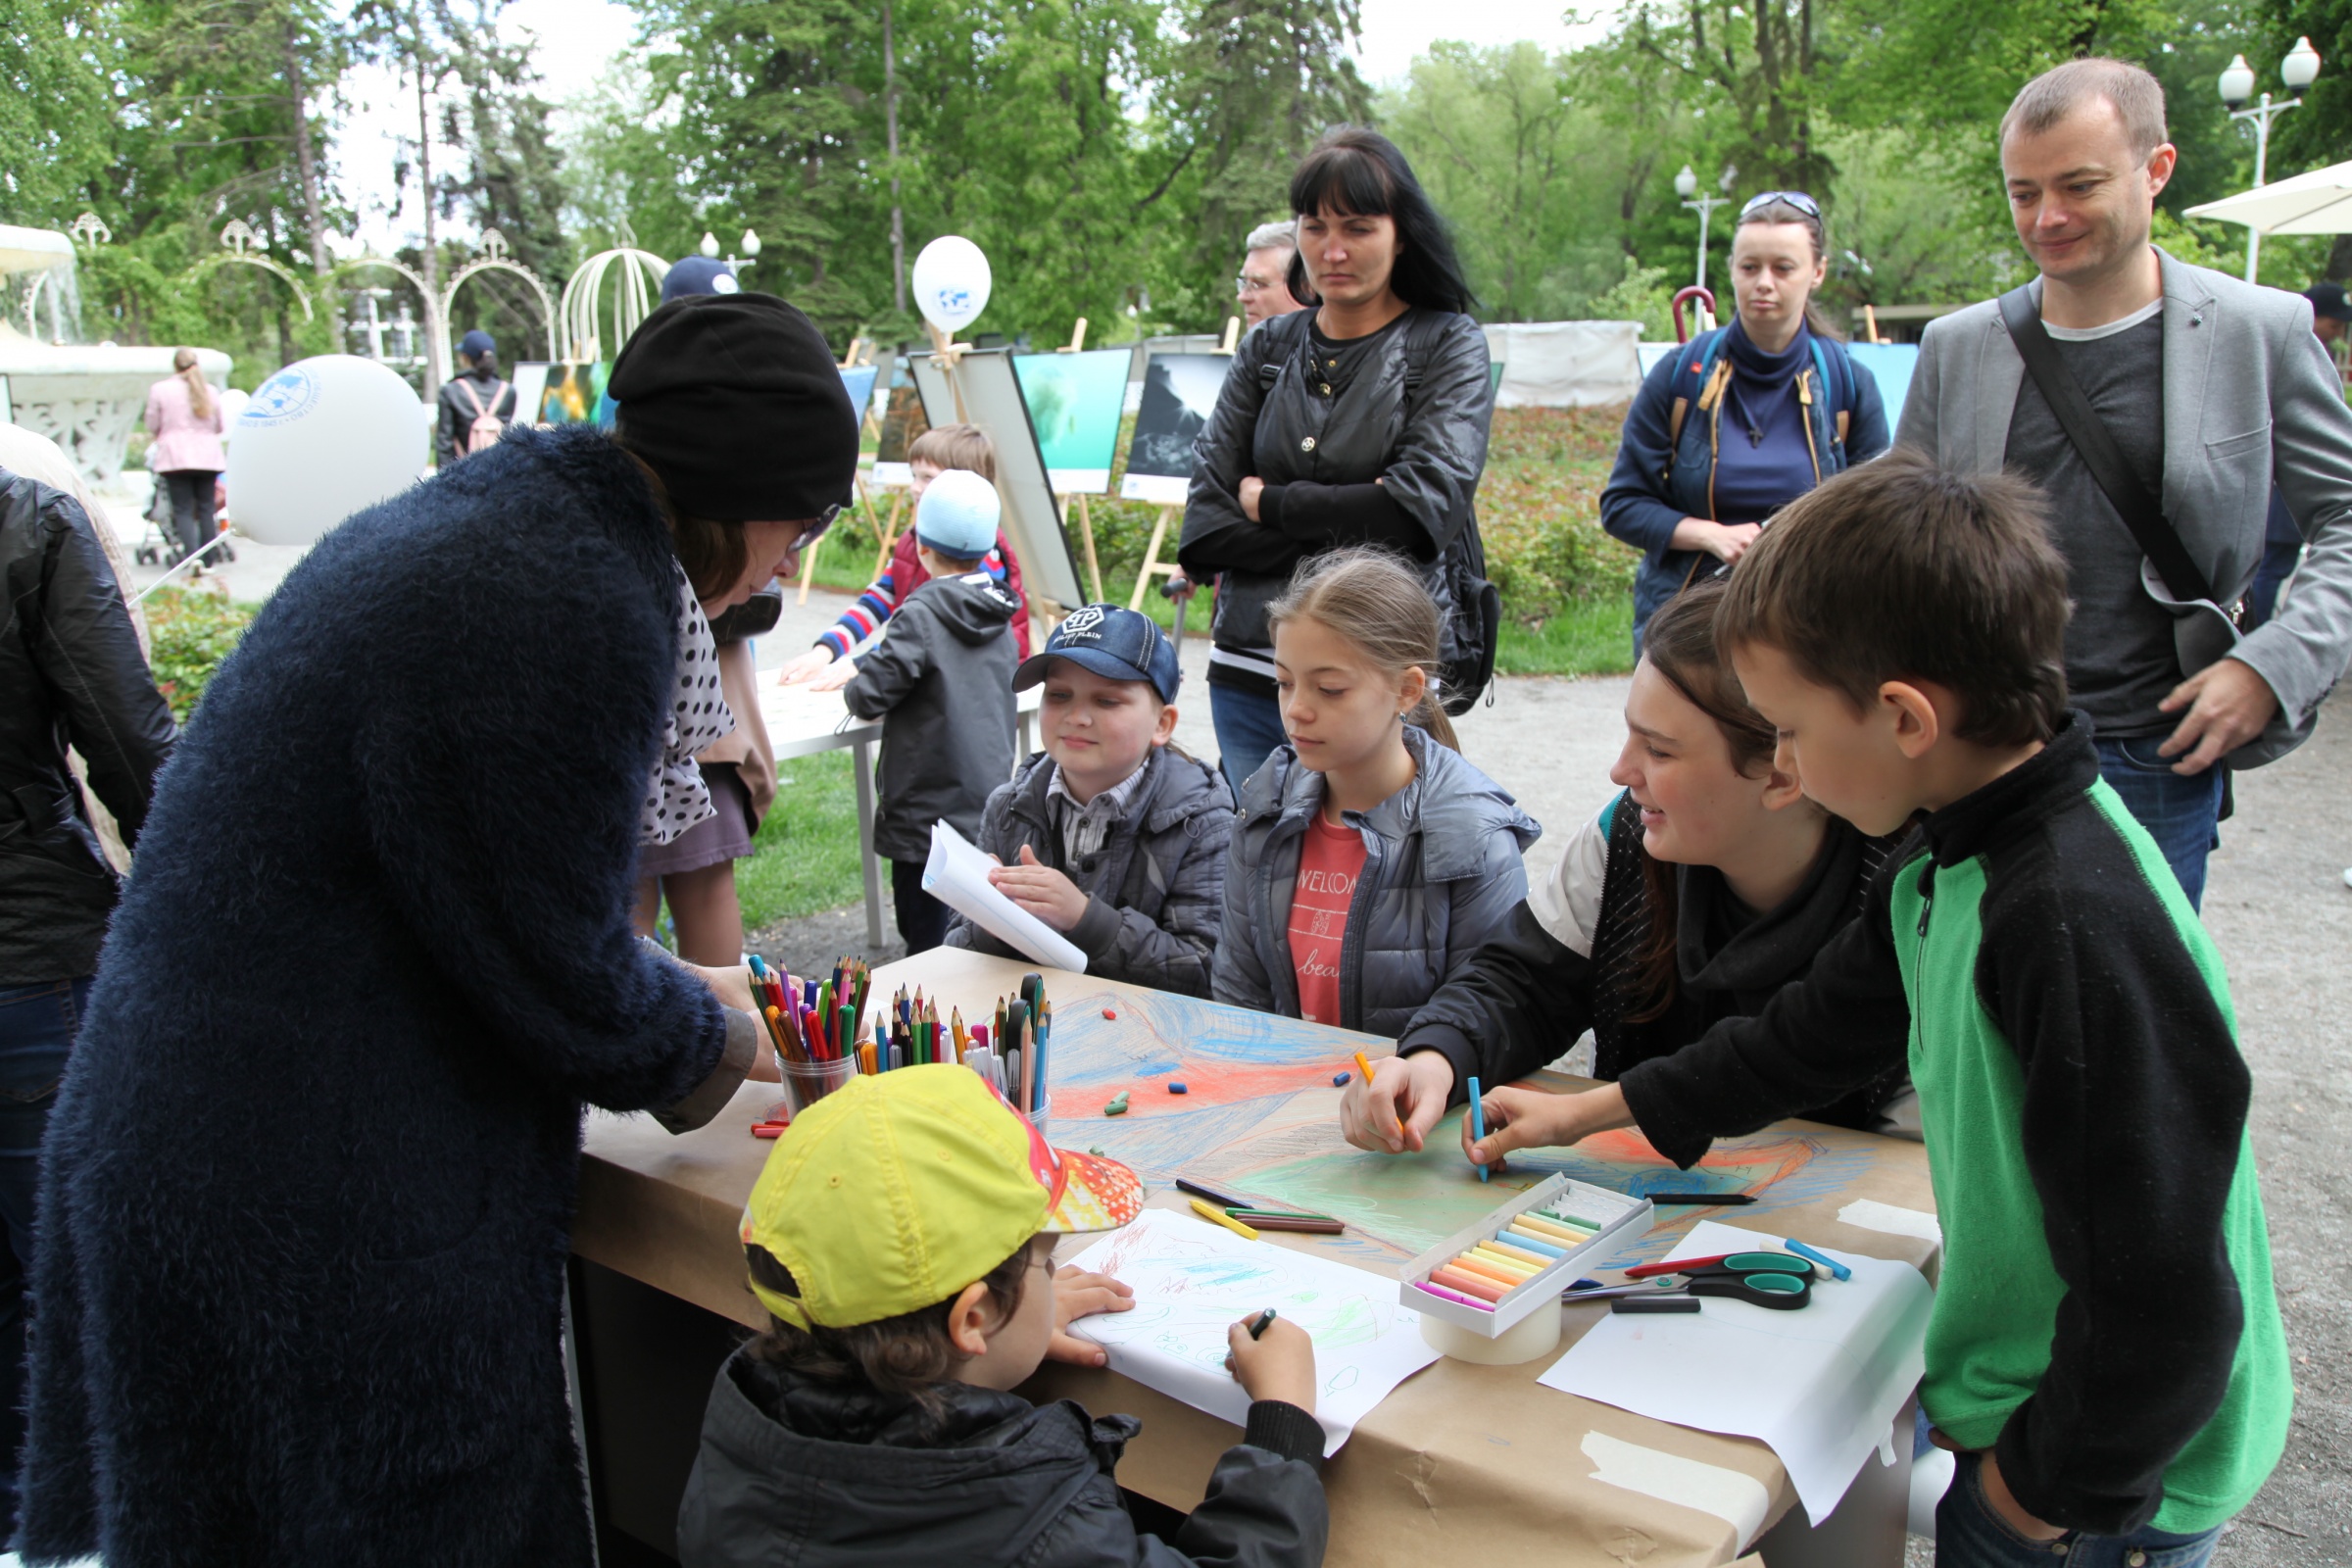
{"x": 56, "y": 120}
{"x": 1260, "y": 81}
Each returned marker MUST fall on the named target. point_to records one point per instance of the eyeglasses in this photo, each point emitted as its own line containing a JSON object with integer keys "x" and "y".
{"x": 825, "y": 520}
{"x": 1246, "y": 284}
{"x": 1794, "y": 198}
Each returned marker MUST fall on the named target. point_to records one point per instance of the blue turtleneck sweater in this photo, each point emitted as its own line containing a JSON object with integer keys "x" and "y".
{"x": 1755, "y": 478}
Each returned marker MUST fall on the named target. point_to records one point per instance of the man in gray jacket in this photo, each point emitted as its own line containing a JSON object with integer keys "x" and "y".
{"x": 2212, "y": 389}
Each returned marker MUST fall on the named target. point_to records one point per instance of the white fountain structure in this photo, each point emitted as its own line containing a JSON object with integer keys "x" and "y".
{"x": 87, "y": 397}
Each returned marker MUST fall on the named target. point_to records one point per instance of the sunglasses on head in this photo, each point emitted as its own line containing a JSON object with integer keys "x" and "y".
{"x": 1794, "y": 198}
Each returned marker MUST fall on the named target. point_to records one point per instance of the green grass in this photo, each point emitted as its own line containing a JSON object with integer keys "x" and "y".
{"x": 1589, "y": 637}
{"x": 804, "y": 856}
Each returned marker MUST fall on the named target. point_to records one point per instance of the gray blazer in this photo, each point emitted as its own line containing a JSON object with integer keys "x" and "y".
{"x": 2250, "y": 397}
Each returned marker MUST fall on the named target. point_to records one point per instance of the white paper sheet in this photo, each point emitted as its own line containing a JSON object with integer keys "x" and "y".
{"x": 1821, "y": 1385}
{"x": 957, "y": 875}
{"x": 1193, "y": 1280}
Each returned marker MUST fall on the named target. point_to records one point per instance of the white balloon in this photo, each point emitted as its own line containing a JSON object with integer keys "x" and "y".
{"x": 952, "y": 281}
{"x": 320, "y": 440}
{"x": 232, "y": 406}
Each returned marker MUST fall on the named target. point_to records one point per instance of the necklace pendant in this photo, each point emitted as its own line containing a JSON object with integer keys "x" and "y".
{"x": 1755, "y": 436}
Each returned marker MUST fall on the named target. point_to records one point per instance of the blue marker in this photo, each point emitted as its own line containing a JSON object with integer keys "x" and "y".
{"x": 1478, "y": 1122}
{"x": 1835, "y": 1268}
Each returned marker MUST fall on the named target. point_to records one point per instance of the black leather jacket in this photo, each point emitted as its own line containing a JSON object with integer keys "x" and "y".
{"x": 73, "y": 675}
{"x": 1412, "y": 414}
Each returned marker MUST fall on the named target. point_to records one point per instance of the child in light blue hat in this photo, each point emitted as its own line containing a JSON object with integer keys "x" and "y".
{"x": 942, "y": 672}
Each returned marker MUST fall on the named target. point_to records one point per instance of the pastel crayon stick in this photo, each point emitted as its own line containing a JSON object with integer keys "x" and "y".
{"x": 1510, "y": 1265}
{"x": 1455, "y": 1272}
{"x": 1566, "y": 1218}
{"x": 1836, "y": 1269}
{"x": 1561, "y": 1233}
{"x": 1508, "y": 1279}
{"x": 1455, "y": 1297}
{"x": 1536, "y": 1242}
{"x": 1453, "y": 1279}
{"x": 1534, "y": 1259}
{"x": 1502, "y": 1254}
{"x": 1543, "y": 1221}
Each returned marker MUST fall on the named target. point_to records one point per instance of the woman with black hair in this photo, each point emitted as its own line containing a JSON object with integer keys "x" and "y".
{"x": 1780, "y": 407}
{"x": 1361, "y": 420}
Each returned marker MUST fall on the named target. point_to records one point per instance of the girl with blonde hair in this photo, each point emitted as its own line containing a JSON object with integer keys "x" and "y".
{"x": 183, "y": 416}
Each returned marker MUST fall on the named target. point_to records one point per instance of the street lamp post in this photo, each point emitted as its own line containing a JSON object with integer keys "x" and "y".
{"x": 1685, "y": 185}
{"x": 2298, "y": 70}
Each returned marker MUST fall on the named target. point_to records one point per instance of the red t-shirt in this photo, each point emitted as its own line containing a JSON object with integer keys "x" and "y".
{"x": 1329, "y": 863}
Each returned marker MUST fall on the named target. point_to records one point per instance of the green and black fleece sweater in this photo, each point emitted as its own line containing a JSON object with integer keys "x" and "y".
{"x": 2106, "y": 1321}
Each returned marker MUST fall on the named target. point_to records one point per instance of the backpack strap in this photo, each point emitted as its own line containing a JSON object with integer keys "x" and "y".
{"x": 1709, "y": 369}
{"x": 465, "y": 385}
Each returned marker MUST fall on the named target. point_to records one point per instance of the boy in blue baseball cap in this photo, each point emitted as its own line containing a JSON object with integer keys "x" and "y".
{"x": 1110, "y": 834}
{"x": 942, "y": 672}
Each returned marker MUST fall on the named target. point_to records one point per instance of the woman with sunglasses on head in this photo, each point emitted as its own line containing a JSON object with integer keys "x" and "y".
{"x": 1361, "y": 420}
{"x": 1741, "y": 420}
{"x": 307, "y": 1191}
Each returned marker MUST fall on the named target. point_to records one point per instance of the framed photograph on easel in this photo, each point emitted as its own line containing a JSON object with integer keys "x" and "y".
{"x": 986, "y": 391}
{"x": 1179, "y": 393}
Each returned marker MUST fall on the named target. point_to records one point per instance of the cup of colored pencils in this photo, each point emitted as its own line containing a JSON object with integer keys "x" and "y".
{"x": 812, "y": 1028}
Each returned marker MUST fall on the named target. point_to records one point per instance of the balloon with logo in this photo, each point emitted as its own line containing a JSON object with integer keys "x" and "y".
{"x": 952, "y": 281}
{"x": 319, "y": 441}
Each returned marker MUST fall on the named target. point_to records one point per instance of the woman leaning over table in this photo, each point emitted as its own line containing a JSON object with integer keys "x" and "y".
{"x": 1361, "y": 420}
{"x": 1740, "y": 421}
{"x": 308, "y": 1185}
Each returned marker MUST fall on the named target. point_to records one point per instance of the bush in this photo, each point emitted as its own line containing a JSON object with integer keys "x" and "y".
{"x": 189, "y": 633}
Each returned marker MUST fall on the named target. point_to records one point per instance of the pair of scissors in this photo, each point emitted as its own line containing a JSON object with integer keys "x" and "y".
{"x": 1773, "y": 1280}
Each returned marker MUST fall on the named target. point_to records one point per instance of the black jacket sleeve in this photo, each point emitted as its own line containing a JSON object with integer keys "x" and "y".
{"x": 1326, "y": 516}
{"x": 1265, "y": 1506}
{"x": 1217, "y": 533}
{"x": 2134, "y": 1117}
{"x": 89, "y": 655}
{"x": 1836, "y": 1030}
{"x": 1523, "y": 999}
{"x": 1435, "y": 466}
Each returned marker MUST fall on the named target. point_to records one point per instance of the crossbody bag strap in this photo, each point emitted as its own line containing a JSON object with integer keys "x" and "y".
{"x": 2094, "y": 443}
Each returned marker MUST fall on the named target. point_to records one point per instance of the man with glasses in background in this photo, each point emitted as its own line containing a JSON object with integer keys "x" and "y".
{"x": 2155, "y": 404}
{"x": 1264, "y": 287}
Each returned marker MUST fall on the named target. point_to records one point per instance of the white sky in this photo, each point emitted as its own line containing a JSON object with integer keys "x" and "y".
{"x": 577, "y": 38}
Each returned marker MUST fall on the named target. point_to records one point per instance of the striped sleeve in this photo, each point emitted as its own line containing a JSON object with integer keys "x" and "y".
{"x": 862, "y": 619}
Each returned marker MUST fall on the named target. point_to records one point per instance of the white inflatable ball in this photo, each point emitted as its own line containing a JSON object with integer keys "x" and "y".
{"x": 319, "y": 441}
{"x": 952, "y": 281}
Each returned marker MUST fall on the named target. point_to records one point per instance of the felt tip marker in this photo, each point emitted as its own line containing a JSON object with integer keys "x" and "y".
{"x": 1257, "y": 1325}
{"x": 1478, "y": 1123}
{"x": 1183, "y": 1185}
{"x": 1836, "y": 1269}
{"x": 1703, "y": 1200}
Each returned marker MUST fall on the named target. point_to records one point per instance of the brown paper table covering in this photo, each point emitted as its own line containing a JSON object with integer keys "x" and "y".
{"x": 1462, "y": 1463}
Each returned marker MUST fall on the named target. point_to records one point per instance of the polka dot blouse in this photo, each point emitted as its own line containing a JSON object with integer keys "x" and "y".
{"x": 676, "y": 798}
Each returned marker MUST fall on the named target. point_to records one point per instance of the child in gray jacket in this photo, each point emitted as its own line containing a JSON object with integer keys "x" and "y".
{"x": 942, "y": 672}
{"x": 1370, "y": 861}
{"x": 1110, "y": 834}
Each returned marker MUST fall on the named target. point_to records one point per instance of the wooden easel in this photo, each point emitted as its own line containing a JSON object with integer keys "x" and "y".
{"x": 888, "y": 529}
{"x": 1086, "y": 521}
{"x": 1153, "y": 566}
{"x": 860, "y": 349}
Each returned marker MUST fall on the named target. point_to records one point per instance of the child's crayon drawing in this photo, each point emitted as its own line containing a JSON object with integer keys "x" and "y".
{"x": 1260, "y": 1121}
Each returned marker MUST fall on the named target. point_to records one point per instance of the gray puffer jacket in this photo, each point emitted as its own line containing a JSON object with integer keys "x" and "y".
{"x": 943, "y": 673}
{"x": 1155, "y": 888}
{"x": 1442, "y": 873}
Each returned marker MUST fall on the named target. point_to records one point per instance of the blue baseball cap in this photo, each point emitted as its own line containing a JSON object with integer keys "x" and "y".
{"x": 1112, "y": 641}
{"x": 698, "y": 274}
{"x": 957, "y": 515}
{"x": 476, "y": 342}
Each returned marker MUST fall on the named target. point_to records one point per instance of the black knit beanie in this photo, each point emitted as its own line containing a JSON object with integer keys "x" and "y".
{"x": 736, "y": 402}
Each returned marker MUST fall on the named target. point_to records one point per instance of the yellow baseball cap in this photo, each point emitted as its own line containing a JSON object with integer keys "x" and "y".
{"x": 897, "y": 1191}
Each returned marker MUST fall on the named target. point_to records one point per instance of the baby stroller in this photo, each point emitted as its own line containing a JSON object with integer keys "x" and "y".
{"x": 160, "y": 545}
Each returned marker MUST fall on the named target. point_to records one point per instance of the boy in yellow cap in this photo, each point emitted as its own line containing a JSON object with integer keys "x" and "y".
{"x": 897, "y": 1237}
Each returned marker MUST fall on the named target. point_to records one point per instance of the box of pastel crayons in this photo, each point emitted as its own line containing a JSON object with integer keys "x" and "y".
{"x": 1489, "y": 1278}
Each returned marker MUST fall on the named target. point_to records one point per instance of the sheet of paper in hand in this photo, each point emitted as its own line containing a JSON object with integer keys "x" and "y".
{"x": 957, "y": 875}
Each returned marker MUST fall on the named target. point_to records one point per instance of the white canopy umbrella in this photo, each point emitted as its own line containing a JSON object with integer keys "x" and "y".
{"x": 32, "y": 249}
{"x": 2316, "y": 203}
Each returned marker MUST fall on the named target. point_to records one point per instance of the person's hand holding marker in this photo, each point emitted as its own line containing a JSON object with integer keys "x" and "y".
{"x": 1077, "y": 1296}
{"x": 1391, "y": 1107}
{"x": 1528, "y": 1118}
{"x": 1272, "y": 1359}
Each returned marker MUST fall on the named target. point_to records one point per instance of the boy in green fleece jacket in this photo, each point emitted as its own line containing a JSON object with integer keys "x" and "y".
{"x": 2105, "y": 1350}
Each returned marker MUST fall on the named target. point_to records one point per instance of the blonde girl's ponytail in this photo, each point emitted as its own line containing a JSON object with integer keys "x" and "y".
{"x": 1374, "y": 600}
{"x": 200, "y": 391}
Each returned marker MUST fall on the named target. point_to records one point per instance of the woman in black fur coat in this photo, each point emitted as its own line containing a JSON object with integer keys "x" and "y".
{"x": 308, "y": 1186}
